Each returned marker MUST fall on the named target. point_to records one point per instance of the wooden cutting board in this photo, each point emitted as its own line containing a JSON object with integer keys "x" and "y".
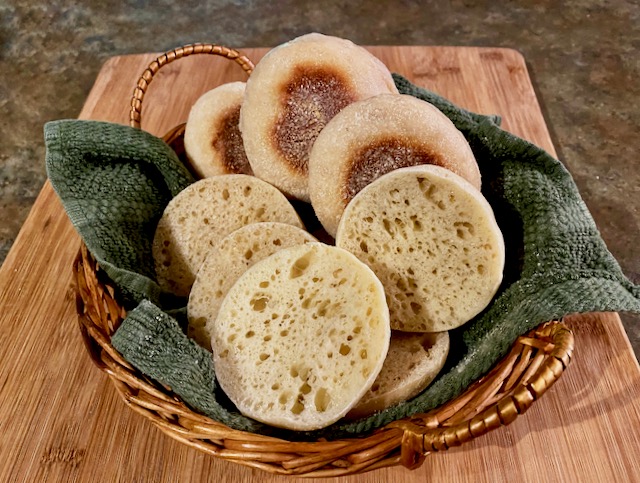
{"x": 61, "y": 420}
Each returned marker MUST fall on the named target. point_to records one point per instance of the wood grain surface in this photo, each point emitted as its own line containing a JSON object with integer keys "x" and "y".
{"x": 61, "y": 420}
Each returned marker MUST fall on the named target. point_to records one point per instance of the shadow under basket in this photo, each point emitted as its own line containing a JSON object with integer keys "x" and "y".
{"x": 534, "y": 363}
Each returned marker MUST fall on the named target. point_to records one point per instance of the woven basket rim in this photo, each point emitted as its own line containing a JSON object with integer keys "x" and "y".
{"x": 535, "y": 362}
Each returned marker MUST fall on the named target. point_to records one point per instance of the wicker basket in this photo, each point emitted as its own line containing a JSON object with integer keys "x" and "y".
{"x": 534, "y": 363}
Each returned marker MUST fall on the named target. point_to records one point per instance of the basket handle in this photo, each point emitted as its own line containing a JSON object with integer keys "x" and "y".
{"x": 425, "y": 434}
{"x": 175, "y": 54}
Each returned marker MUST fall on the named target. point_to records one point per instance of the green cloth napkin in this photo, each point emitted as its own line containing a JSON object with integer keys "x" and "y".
{"x": 114, "y": 182}
{"x": 557, "y": 263}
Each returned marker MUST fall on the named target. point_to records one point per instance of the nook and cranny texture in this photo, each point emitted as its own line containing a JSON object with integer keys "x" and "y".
{"x": 432, "y": 240}
{"x": 226, "y": 262}
{"x": 202, "y": 215}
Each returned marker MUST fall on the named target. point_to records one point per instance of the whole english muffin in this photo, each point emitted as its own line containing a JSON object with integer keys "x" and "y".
{"x": 432, "y": 240}
{"x": 291, "y": 95}
{"x": 374, "y": 136}
{"x": 301, "y": 336}
{"x": 226, "y": 262}
{"x": 212, "y": 139}
{"x": 204, "y": 213}
{"x": 413, "y": 361}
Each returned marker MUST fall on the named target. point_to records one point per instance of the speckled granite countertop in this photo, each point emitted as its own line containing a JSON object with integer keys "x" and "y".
{"x": 583, "y": 57}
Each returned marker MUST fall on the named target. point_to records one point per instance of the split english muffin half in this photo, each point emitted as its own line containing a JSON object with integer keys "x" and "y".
{"x": 413, "y": 362}
{"x": 301, "y": 337}
{"x": 433, "y": 241}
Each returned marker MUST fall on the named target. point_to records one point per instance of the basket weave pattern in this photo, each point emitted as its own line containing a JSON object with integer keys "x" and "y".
{"x": 534, "y": 363}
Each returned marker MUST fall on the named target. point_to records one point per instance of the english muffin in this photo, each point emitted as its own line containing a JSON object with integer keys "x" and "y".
{"x": 413, "y": 361}
{"x": 292, "y": 94}
{"x": 433, "y": 241}
{"x": 226, "y": 262}
{"x": 204, "y": 213}
{"x": 301, "y": 337}
{"x": 212, "y": 138}
{"x": 374, "y": 136}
